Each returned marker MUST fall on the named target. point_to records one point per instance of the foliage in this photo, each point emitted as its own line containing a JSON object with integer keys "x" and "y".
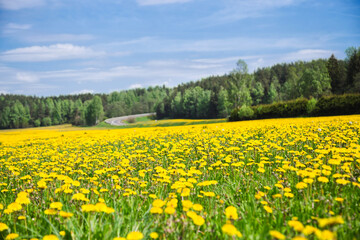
{"x": 17, "y": 111}
{"x": 311, "y": 105}
{"x": 244, "y": 113}
{"x": 94, "y": 111}
{"x": 324, "y": 106}
{"x": 338, "y": 105}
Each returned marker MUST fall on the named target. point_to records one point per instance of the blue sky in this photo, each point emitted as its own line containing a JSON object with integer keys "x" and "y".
{"x": 52, "y": 47}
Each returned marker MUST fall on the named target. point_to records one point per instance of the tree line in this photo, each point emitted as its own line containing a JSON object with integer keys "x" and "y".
{"x": 211, "y": 97}
{"x": 19, "y": 111}
{"x": 216, "y": 96}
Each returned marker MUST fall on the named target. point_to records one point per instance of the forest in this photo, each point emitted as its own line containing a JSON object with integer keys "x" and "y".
{"x": 211, "y": 97}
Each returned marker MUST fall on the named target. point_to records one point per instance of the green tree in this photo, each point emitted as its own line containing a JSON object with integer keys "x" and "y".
{"x": 224, "y": 105}
{"x": 244, "y": 96}
{"x": 257, "y": 93}
{"x": 203, "y": 103}
{"x": 49, "y": 107}
{"x": 273, "y": 94}
{"x": 57, "y": 113}
{"x": 94, "y": 111}
{"x": 176, "y": 105}
{"x": 336, "y": 74}
{"x": 241, "y": 67}
{"x": 5, "y": 118}
{"x": 353, "y": 66}
{"x": 314, "y": 83}
{"x": 290, "y": 89}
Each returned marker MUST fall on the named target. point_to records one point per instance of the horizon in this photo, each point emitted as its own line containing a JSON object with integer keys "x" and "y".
{"x": 53, "y": 47}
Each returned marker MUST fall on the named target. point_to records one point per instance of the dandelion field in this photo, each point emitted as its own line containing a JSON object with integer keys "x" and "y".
{"x": 265, "y": 179}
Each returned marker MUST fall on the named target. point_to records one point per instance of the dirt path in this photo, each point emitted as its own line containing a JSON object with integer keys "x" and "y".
{"x": 119, "y": 121}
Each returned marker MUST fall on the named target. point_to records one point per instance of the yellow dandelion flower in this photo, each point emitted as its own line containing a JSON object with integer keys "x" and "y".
{"x": 231, "y": 213}
{"x": 339, "y": 199}
{"x": 298, "y": 226}
{"x": 277, "y": 235}
{"x": 65, "y": 214}
{"x": 299, "y": 238}
{"x": 268, "y": 209}
{"x": 198, "y": 220}
{"x": 50, "y": 211}
{"x": 170, "y": 210}
{"x": 135, "y": 236}
{"x": 323, "y": 179}
{"x": 231, "y": 230}
{"x": 56, "y": 205}
{"x": 3, "y": 227}
{"x": 12, "y": 236}
{"x": 156, "y": 210}
{"x": 158, "y": 203}
{"x": 309, "y": 230}
{"x": 301, "y": 185}
{"x": 187, "y": 204}
{"x": 154, "y": 235}
{"x": 197, "y": 207}
{"x": 80, "y": 197}
{"x": 50, "y": 237}
{"x": 325, "y": 235}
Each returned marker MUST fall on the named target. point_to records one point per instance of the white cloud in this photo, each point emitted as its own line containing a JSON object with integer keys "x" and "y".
{"x": 26, "y": 77}
{"x": 84, "y": 91}
{"x": 58, "y": 38}
{"x": 20, "y": 4}
{"x": 137, "y": 85}
{"x": 15, "y": 27}
{"x": 159, "y": 2}
{"x": 236, "y": 10}
{"x": 48, "y": 53}
{"x": 3, "y": 92}
{"x": 306, "y": 54}
{"x": 225, "y": 60}
{"x": 215, "y": 45}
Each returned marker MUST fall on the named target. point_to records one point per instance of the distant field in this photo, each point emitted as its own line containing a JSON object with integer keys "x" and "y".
{"x": 147, "y": 122}
{"x": 264, "y": 179}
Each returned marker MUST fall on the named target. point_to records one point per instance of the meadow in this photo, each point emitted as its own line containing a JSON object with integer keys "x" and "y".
{"x": 265, "y": 179}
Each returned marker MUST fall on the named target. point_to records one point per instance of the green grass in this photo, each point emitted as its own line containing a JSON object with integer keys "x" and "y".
{"x": 159, "y": 123}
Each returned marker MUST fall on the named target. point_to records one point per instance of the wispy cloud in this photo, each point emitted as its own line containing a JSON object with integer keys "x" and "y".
{"x": 159, "y": 2}
{"x": 15, "y": 27}
{"x": 59, "y": 38}
{"x": 235, "y": 10}
{"x": 136, "y": 85}
{"x": 307, "y": 54}
{"x": 84, "y": 91}
{"x": 48, "y": 53}
{"x": 216, "y": 45}
{"x": 20, "y": 4}
{"x": 26, "y": 77}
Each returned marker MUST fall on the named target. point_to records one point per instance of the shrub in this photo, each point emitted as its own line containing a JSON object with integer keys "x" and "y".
{"x": 325, "y": 106}
{"x": 131, "y": 120}
{"x": 46, "y": 121}
{"x": 245, "y": 113}
{"x": 37, "y": 123}
{"x": 292, "y": 108}
{"x": 338, "y": 105}
{"x": 311, "y": 105}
